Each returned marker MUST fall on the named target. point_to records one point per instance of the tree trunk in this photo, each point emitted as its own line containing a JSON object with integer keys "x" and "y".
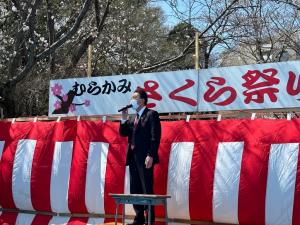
{"x": 8, "y": 102}
{"x": 51, "y": 30}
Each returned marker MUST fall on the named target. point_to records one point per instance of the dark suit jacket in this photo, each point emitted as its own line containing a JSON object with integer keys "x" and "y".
{"x": 147, "y": 136}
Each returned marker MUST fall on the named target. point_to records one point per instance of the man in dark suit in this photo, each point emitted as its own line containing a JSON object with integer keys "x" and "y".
{"x": 143, "y": 131}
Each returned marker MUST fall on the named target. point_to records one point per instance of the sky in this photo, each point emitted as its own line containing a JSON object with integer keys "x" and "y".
{"x": 170, "y": 20}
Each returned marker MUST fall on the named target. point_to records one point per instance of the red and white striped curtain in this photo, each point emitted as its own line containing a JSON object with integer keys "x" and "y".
{"x": 231, "y": 171}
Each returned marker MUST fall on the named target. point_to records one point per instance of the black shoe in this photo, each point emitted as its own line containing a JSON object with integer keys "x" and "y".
{"x": 146, "y": 223}
{"x": 135, "y": 223}
{"x": 152, "y": 221}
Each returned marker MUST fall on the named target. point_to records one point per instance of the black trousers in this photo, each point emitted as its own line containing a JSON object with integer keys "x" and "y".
{"x": 136, "y": 187}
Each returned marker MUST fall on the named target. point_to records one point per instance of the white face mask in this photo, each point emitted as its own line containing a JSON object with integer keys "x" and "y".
{"x": 134, "y": 104}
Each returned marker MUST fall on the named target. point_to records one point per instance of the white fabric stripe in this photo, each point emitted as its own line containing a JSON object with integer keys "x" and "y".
{"x": 95, "y": 221}
{"x": 59, "y": 220}
{"x": 226, "y": 182}
{"x": 95, "y": 177}
{"x": 1, "y": 148}
{"x": 60, "y": 176}
{"x": 183, "y": 223}
{"x": 129, "y": 208}
{"x": 281, "y": 180}
{"x": 24, "y": 219}
{"x": 21, "y": 175}
{"x": 179, "y": 179}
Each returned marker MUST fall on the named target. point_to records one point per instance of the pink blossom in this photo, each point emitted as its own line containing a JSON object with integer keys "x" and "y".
{"x": 72, "y": 108}
{"x": 56, "y": 89}
{"x": 57, "y": 105}
{"x": 65, "y": 97}
{"x": 87, "y": 102}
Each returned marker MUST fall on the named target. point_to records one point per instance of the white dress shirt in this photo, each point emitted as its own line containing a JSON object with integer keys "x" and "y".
{"x": 139, "y": 112}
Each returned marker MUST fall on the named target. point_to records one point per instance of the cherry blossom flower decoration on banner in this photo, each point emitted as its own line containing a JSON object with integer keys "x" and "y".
{"x": 65, "y": 104}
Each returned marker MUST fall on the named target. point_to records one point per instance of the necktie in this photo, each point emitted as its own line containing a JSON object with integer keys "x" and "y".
{"x": 135, "y": 123}
{"x": 136, "y": 120}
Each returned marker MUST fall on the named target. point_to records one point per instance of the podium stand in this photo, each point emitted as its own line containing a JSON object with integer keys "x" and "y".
{"x": 139, "y": 199}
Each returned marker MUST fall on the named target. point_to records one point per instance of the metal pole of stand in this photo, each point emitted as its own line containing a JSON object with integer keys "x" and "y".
{"x": 166, "y": 212}
{"x": 116, "y": 216}
{"x": 149, "y": 214}
{"x": 123, "y": 214}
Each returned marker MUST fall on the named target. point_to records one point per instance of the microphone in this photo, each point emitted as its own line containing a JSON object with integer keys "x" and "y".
{"x": 125, "y": 107}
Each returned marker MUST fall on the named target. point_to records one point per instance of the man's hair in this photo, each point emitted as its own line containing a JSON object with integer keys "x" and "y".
{"x": 143, "y": 94}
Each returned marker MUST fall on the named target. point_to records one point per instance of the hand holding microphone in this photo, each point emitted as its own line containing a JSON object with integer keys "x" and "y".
{"x": 125, "y": 107}
{"x": 133, "y": 104}
{"x": 124, "y": 111}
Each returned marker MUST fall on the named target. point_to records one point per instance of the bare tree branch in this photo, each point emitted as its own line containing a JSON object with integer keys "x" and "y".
{"x": 185, "y": 51}
{"x": 68, "y": 35}
{"x": 76, "y": 56}
{"x": 19, "y": 8}
{"x": 35, "y": 58}
{"x": 288, "y": 2}
{"x": 51, "y": 30}
{"x": 30, "y": 21}
{"x": 97, "y": 12}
